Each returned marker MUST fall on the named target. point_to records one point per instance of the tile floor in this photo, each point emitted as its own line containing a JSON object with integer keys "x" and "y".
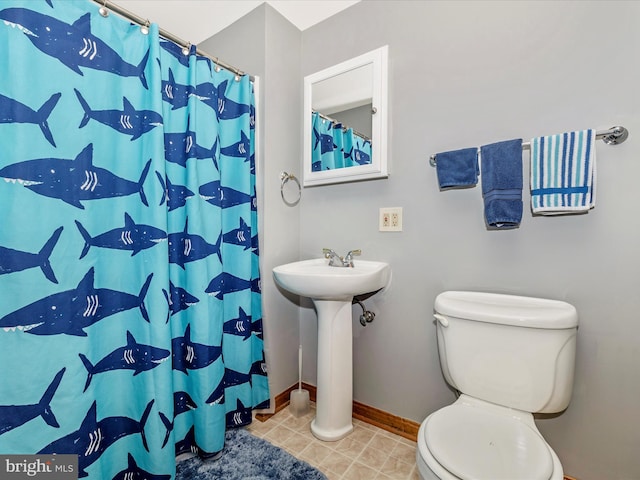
{"x": 368, "y": 453}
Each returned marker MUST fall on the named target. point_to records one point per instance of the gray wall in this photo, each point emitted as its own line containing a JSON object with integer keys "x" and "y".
{"x": 470, "y": 73}
{"x": 464, "y": 74}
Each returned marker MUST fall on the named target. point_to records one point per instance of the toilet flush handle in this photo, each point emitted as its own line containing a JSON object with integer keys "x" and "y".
{"x": 443, "y": 320}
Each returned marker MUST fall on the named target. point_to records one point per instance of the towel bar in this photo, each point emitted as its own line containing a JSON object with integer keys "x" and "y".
{"x": 613, "y": 136}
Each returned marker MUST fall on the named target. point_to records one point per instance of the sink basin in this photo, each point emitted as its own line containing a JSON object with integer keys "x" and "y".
{"x": 317, "y": 280}
{"x": 332, "y": 289}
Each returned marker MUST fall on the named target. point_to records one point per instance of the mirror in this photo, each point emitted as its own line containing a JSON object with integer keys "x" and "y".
{"x": 345, "y": 121}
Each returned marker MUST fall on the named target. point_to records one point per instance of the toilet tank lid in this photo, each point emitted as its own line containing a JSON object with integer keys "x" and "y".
{"x": 507, "y": 309}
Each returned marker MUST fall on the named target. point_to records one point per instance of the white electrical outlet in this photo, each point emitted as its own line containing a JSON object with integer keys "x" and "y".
{"x": 390, "y": 219}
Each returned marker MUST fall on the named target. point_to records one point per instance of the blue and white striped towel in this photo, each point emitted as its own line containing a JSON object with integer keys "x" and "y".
{"x": 563, "y": 173}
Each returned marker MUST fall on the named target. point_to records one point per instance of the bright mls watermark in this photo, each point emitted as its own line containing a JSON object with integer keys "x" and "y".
{"x": 38, "y": 467}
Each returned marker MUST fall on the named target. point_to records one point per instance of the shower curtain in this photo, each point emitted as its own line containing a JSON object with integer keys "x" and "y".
{"x": 334, "y": 146}
{"x": 130, "y": 300}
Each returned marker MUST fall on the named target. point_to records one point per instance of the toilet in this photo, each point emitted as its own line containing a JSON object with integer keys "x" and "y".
{"x": 508, "y": 357}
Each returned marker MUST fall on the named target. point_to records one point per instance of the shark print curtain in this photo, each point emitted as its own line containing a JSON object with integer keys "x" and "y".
{"x": 130, "y": 304}
{"x": 336, "y": 147}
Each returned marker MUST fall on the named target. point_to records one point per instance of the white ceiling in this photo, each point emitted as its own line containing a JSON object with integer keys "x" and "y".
{"x": 197, "y": 20}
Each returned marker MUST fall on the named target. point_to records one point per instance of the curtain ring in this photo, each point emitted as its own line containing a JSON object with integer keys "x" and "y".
{"x": 284, "y": 178}
{"x": 104, "y": 11}
{"x": 186, "y": 49}
{"x": 145, "y": 28}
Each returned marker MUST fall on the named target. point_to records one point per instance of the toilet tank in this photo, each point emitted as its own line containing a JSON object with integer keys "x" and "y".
{"x": 514, "y": 351}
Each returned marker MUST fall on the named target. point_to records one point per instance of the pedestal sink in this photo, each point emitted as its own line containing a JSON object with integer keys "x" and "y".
{"x": 332, "y": 290}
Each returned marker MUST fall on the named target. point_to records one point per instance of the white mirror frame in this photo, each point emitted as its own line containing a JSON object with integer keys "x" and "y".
{"x": 378, "y": 167}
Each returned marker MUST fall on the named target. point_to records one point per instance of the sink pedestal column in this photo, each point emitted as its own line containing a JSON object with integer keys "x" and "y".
{"x": 334, "y": 397}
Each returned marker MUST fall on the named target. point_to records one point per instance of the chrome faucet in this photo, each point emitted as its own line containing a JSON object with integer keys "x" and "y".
{"x": 348, "y": 259}
{"x": 336, "y": 260}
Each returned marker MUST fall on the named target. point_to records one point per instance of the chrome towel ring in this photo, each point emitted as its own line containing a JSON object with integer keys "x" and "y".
{"x": 284, "y": 178}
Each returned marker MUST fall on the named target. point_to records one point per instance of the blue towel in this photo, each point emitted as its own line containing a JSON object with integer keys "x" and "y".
{"x": 502, "y": 183}
{"x": 458, "y": 168}
{"x": 563, "y": 173}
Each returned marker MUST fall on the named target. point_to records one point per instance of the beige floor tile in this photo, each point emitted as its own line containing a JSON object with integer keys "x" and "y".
{"x": 358, "y": 471}
{"x": 350, "y": 446}
{"x": 405, "y": 453}
{"x": 278, "y": 434}
{"x": 373, "y": 457}
{"x": 299, "y": 424}
{"x": 296, "y": 443}
{"x": 382, "y": 476}
{"x": 259, "y": 429}
{"x": 362, "y": 434}
{"x": 315, "y": 453}
{"x": 332, "y": 476}
{"x": 396, "y": 469}
{"x": 367, "y": 453}
{"x": 383, "y": 443}
{"x": 336, "y": 463}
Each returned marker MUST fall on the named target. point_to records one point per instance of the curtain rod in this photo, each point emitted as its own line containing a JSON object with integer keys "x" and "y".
{"x": 612, "y": 136}
{"x": 344, "y": 126}
{"x": 107, "y": 5}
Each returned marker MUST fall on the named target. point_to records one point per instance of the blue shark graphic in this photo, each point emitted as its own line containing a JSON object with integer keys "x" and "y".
{"x": 325, "y": 141}
{"x": 188, "y": 444}
{"x": 73, "y": 181}
{"x": 256, "y": 327}
{"x": 359, "y": 155}
{"x": 94, "y": 437}
{"x": 175, "y": 195}
{"x": 133, "y": 236}
{"x": 259, "y": 367}
{"x": 217, "y": 396}
{"x": 71, "y": 311}
{"x": 12, "y": 111}
{"x": 188, "y": 355}
{"x": 49, "y": 3}
{"x": 133, "y": 356}
{"x": 240, "y": 326}
{"x": 227, "y": 283}
{"x": 239, "y": 417}
{"x": 178, "y": 96}
{"x": 180, "y": 147}
{"x": 175, "y": 93}
{"x": 13, "y": 416}
{"x": 234, "y": 378}
{"x": 215, "y": 98}
{"x": 128, "y": 121}
{"x": 15, "y": 261}
{"x": 185, "y": 247}
{"x": 176, "y": 52}
{"x": 240, "y": 149}
{"x": 255, "y": 244}
{"x": 182, "y": 403}
{"x": 239, "y": 236}
{"x": 219, "y": 196}
{"x": 72, "y": 44}
{"x": 134, "y": 472}
{"x": 178, "y": 299}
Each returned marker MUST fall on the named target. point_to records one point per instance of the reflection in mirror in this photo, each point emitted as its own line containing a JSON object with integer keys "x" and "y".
{"x": 345, "y": 121}
{"x": 337, "y": 145}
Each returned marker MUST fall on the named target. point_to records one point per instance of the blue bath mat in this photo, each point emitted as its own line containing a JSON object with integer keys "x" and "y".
{"x": 247, "y": 457}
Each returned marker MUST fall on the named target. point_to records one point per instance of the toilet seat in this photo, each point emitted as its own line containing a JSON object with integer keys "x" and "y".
{"x": 473, "y": 442}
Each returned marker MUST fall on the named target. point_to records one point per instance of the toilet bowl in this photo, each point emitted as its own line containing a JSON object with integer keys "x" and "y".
{"x": 473, "y": 439}
{"x": 508, "y": 357}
